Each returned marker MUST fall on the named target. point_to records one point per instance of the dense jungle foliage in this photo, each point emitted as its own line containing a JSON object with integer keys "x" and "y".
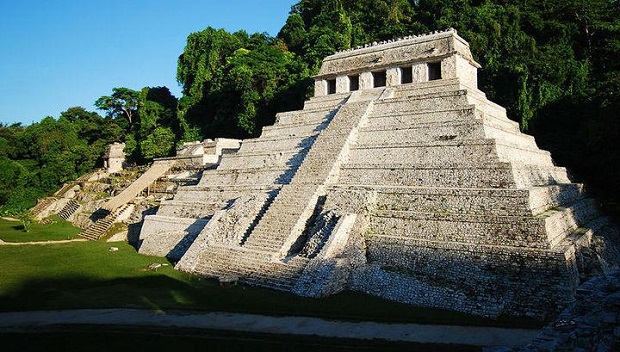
{"x": 552, "y": 63}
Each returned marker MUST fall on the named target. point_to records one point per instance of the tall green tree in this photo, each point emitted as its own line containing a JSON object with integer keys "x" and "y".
{"x": 240, "y": 83}
{"x": 122, "y": 103}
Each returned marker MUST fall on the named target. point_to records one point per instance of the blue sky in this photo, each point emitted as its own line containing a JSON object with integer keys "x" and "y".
{"x": 55, "y": 54}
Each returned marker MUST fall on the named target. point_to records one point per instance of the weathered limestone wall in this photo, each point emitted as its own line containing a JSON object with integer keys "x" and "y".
{"x": 168, "y": 236}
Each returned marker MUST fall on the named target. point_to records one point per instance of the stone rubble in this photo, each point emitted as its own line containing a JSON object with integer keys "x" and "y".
{"x": 590, "y": 323}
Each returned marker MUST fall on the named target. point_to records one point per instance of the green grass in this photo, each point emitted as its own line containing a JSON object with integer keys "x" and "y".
{"x": 87, "y": 275}
{"x": 59, "y": 229}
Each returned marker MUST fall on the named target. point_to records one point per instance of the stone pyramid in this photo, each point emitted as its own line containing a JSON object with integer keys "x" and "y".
{"x": 398, "y": 179}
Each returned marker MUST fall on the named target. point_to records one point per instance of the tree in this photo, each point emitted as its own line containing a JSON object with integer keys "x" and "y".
{"x": 294, "y": 33}
{"x": 8, "y": 139}
{"x": 235, "y": 83}
{"x": 203, "y": 57}
{"x": 157, "y": 107}
{"x": 123, "y": 102}
{"x": 160, "y": 143}
{"x": 26, "y": 219}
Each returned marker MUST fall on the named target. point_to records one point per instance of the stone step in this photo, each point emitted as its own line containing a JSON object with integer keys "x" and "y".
{"x": 527, "y": 175}
{"x": 544, "y": 198}
{"x": 99, "y": 228}
{"x": 326, "y": 102}
{"x": 433, "y": 101}
{"x": 428, "y": 87}
{"x": 243, "y": 253}
{"x": 512, "y": 153}
{"x": 379, "y": 135}
{"x": 300, "y": 122}
{"x": 267, "y": 246}
{"x": 292, "y": 156}
{"x": 560, "y": 222}
{"x": 228, "y": 195}
{"x": 410, "y": 117}
{"x": 250, "y": 176}
{"x": 471, "y": 229}
{"x": 411, "y": 252}
{"x": 275, "y": 225}
{"x": 247, "y": 267}
{"x": 267, "y": 233}
{"x": 277, "y": 143}
{"x": 69, "y": 209}
{"x": 42, "y": 210}
{"x": 454, "y": 152}
{"x": 429, "y": 175}
{"x": 499, "y": 202}
{"x": 415, "y": 132}
{"x": 193, "y": 210}
{"x": 453, "y": 175}
{"x": 519, "y": 202}
{"x": 543, "y": 231}
{"x": 474, "y": 151}
{"x": 225, "y": 188}
{"x": 407, "y": 117}
{"x": 509, "y": 136}
{"x": 488, "y": 107}
{"x": 297, "y": 116}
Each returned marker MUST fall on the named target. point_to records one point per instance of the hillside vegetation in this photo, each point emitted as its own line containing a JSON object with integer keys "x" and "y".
{"x": 552, "y": 63}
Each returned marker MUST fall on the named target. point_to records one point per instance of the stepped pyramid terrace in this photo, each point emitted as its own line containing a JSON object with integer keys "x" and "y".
{"x": 399, "y": 179}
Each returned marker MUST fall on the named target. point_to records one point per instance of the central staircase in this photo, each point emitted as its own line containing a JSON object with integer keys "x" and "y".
{"x": 261, "y": 256}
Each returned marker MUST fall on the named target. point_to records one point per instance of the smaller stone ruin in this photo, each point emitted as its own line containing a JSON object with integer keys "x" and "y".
{"x": 114, "y": 158}
{"x": 208, "y": 152}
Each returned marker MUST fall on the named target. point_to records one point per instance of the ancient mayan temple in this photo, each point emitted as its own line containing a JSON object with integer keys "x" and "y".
{"x": 398, "y": 179}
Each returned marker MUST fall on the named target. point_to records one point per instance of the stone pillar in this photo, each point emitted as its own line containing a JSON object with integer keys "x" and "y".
{"x": 366, "y": 81}
{"x": 320, "y": 88}
{"x": 342, "y": 84}
{"x": 449, "y": 67}
{"x": 419, "y": 72}
{"x": 392, "y": 76}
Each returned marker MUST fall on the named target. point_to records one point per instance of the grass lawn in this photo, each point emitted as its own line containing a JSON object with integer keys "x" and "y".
{"x": 88, "y": 275}
{"x": 59, "y": 229}
{"x": 149, "y": 339}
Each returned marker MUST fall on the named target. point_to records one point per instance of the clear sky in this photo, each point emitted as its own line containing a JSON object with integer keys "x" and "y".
{"x": 55, "y": 54}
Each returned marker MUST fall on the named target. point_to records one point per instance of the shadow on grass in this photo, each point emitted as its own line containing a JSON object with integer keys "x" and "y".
{"x": 118, "y": 338}
{"x": 160, "y": 292}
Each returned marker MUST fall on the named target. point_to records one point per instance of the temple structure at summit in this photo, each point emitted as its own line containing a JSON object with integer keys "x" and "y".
{"x": 400, "y": 179}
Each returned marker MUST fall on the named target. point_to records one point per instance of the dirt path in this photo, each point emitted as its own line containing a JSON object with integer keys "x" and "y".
{"x": 2, "y": 243}
{"x": 467, "y": 335}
